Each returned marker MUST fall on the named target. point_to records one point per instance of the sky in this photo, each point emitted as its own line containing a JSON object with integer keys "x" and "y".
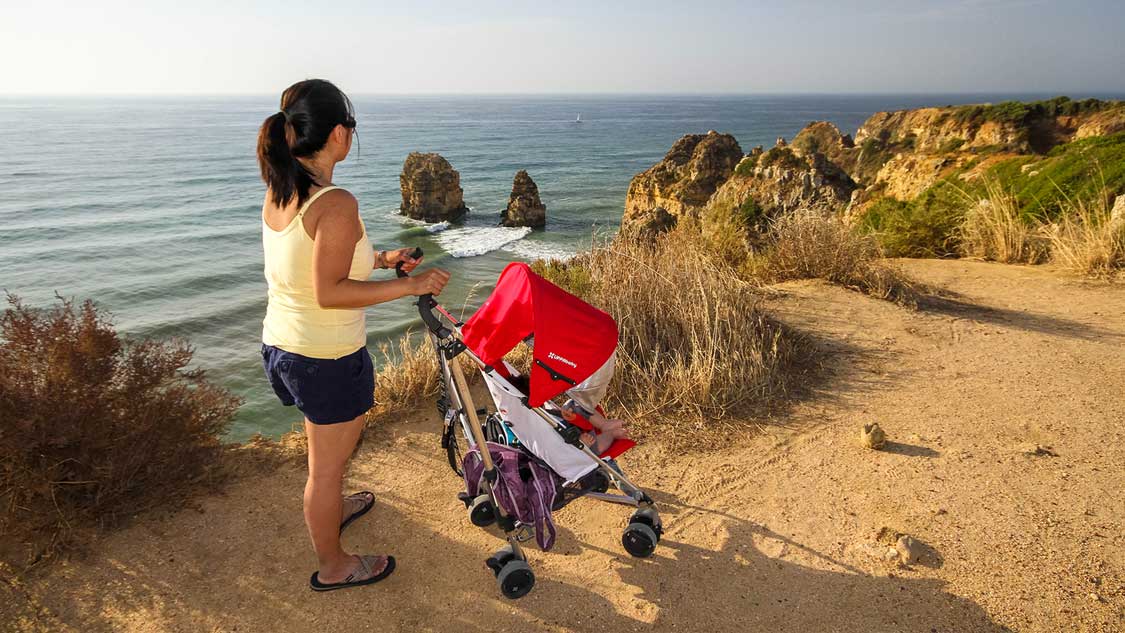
{"x": 576, "y": 46}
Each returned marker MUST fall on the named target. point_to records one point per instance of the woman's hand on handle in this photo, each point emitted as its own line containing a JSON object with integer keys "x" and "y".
{"x": 403, "y": 256}
{"x": 428, "y": 282}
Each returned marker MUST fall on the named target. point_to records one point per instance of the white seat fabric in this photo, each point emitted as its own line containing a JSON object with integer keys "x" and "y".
{"x": 535, "y": 434}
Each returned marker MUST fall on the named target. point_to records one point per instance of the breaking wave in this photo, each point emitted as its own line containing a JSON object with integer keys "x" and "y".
{"x": 473, "y": 241}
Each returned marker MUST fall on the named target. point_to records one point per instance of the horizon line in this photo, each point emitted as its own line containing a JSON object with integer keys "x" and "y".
{"x": 1109, "y": 92}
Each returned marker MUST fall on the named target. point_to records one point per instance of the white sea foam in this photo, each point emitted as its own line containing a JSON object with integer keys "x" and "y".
{"x": 436, "y": 227}
{"x": 532, "y": 250}
{"x": 473, "y": 241}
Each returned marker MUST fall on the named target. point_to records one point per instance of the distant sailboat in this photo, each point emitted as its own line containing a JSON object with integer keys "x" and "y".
{"x": 579, "y": 119}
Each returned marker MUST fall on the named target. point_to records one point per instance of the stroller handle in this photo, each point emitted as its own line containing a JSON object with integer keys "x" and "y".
{"x": 426, "y": 302}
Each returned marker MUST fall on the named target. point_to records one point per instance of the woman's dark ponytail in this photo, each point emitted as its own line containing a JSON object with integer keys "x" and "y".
{"x": 310, "y": 110}
{"x": 279, "y": 167}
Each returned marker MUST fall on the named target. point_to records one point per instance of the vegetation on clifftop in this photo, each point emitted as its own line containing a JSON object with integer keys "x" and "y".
{"x": 1020, "y": 112}
{"x": 1042, "y": 189}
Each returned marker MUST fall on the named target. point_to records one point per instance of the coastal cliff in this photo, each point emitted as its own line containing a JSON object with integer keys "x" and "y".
{"x": 1045, "y": 151}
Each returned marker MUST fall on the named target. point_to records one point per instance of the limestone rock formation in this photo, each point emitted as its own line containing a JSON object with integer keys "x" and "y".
{"x": 683, "y": 181}
{"x": 524, "y": 207}
{"x": 431, "y": 189}
{"x": 822, "y": 137}
{"x": 907, "y": 175}
{"x": 781, "y": 180}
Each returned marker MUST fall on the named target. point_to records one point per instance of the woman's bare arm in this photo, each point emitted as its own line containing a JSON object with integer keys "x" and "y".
{"x": 336, "y": 232}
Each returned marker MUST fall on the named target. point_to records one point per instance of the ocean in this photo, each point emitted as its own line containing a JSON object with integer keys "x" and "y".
{"x": 151, "y": 206}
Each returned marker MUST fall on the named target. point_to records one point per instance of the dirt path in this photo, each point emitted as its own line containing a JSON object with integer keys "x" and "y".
{"x": 773, "y": 534}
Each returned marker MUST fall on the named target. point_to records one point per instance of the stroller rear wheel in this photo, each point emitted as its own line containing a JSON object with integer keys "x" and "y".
{"x": 500, "y": 558}
{"x": 515, "y": 579}
{"x": 639, "y": 540}
{"x": 481, "y": 511}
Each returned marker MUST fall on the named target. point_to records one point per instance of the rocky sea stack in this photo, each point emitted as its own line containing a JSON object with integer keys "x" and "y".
{"x": 431, "y": 189}
{"x": 682, "y": 182}
{"x": 524, "y": 207}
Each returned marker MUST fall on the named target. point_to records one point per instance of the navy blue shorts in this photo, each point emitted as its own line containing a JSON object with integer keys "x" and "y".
{"x": 327, "y": 391}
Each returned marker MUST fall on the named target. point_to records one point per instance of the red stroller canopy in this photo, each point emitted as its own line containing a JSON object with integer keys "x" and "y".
{"x": 572, "y": 338}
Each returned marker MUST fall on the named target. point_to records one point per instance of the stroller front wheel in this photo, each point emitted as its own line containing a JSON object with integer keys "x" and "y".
{"x": 639, "y": 540}
{"x": 515, "y": 579}
{"x": 481, "y": 511}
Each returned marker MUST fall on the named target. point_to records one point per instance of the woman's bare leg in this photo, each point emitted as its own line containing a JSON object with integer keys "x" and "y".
{"x": 330, "y": 446}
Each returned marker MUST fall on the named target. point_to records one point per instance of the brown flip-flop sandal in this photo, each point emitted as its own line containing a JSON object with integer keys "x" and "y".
{"x": 368, "y": 499}
{"x": 359, "y": 577}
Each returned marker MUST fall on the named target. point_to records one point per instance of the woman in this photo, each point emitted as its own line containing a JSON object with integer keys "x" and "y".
{"x": 317, "y": 261}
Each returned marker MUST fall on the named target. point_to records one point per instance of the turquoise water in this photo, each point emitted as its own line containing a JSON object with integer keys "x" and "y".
{"x": 151, "y": 206}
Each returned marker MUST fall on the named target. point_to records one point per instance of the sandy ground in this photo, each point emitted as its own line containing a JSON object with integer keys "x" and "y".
{"x": 774, "y": 533}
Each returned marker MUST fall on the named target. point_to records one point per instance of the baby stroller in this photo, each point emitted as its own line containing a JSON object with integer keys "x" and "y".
{"x": 573, "y": 352}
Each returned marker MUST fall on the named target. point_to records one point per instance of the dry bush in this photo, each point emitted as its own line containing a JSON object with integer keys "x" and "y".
{"x": 95, "y": 428}
{"x": 993, "y": 229}
{"x": 810, "y": 244}
{"x": 1087, "y": 239}
{"x": 408, "y": 375}
{"x": 695, "y": 349}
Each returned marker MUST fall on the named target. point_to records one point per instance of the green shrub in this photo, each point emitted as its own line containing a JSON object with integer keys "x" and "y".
{"x": 750, "y": 213}
{"x": 1080, "y": 169}
{"x": 95, "y": 428}
{"x": 729, "y": 230}
{"x": 924, "y": 227}
{"x": 783, "y": 157}
{"x": 807, "y": 144}
{"x": 746, "y": 166}
{"x": 1018, "y": 112}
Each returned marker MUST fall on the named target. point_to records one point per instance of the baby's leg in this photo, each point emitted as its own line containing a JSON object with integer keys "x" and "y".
{"x": 602, "y": 443}
{"x": 612, "y": 428}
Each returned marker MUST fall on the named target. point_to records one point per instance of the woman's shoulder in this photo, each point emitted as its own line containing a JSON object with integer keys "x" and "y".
{"x": 337, "y": 207}
{"x": 337, "y": 196}
{"x": 335, "y": 201}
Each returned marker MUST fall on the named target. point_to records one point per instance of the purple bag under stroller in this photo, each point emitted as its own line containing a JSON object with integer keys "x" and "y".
{"x": 524, "y": 488}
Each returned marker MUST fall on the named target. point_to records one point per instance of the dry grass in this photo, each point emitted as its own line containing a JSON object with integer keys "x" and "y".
{"x": 695, "y": 349}
{"x": 408, "y": 376}
{"x": 1086, "y": 239}
{"x": 95, "y": 428}
{"x": 811, "y": 244}
{"x": 993, "y": 229}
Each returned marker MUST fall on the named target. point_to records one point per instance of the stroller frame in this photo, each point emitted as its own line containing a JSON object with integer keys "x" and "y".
{"x": 510, "y": 564}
